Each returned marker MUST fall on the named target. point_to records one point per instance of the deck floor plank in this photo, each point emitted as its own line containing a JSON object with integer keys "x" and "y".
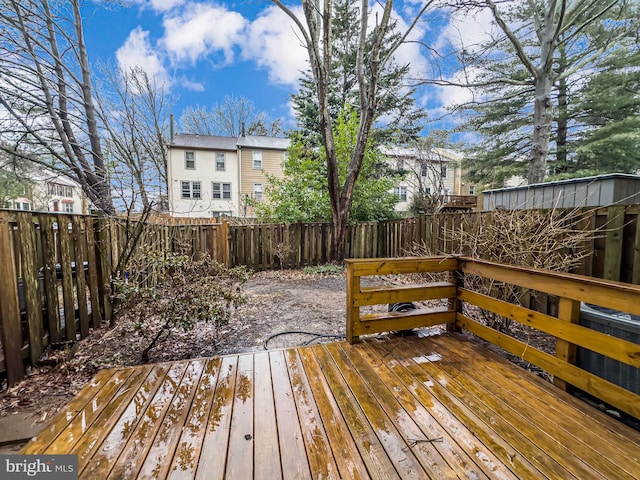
{"x": 321, "y": 462}
{"x": 504, "y": 440}
{"x": 345, "y": 451}
{"x": 516, "y": 412}
{"x": 103, "y": 439}
{"x": 156, "y": 464}
{"x": 339, "y": 411}
{"x": 294, "y": 459}
{"x": 185, "y": 459}
{"x": 560, "y": 427}
{"x": 469, "y": 457}
{"x": 369, "y": 446}
{"x": 572, "y": 411}
{"x": 389, "y": 416}
{"x": 241, "y": 433}
{"x": 64, "y": 429}
{"x": 212, "y": 460}
{"x": 266, "y": 448}
{"x": 531, "y": 442}
{"x": 139, "y": 441}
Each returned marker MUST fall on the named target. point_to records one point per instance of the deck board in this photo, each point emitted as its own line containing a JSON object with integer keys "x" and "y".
{"x": 436, "y": 407}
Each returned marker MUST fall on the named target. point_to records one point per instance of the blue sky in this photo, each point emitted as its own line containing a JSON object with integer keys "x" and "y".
{"x": 204, "y": 50}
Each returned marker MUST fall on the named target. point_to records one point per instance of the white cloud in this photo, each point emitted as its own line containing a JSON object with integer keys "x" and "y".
{"x": 191, "y": 85}
{"x": 274, "y": 44}
{"x": 467, "y": 31}
{"x": 200, "y": 31}
{"x": 159, "y": 5}
{"x": 138, "y": 51}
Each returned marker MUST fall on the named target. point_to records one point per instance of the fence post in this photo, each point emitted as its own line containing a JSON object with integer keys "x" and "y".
{"x": 9, "y": 306}
{"x": 613, "y": 246}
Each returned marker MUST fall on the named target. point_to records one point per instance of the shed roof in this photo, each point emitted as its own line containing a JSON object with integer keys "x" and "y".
{"x": 596, "y": 178}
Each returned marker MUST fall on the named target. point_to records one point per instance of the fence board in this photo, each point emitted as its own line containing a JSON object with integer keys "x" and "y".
{"x": 92, "y": 255}
{"x": 50, "y": 276}
{"x": 66, "y": 249}
{"x": 31, "y": 283}
{"x": 81, "y": 282}
{"x": 9, "y": 306}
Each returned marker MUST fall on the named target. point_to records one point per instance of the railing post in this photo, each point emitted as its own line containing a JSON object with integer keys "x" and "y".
{"x": 568, "y": 311}
{"x": 353, "y": 313}
{"x": 457, "y": 278}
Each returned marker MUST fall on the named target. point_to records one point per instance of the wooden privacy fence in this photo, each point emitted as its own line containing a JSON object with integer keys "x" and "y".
{"x": 51, "y": 276}
{"x": 41, "y": 264}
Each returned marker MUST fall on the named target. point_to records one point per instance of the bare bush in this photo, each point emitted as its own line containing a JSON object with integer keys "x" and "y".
{"x": 180, "y": 290}
{"x": 547, "y": 239}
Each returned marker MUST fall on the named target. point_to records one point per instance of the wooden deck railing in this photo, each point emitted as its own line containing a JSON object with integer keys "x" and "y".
{"x": 569, "y": 335}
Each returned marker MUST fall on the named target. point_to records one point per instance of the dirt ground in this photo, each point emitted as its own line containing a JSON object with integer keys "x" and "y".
{"x": 277, "y": 302}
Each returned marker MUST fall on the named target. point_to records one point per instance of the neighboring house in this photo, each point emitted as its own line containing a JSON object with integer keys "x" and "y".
{"x": 213, "y": 176}
{"x": 436, "y": 172}
{"x": 50, "y": 191}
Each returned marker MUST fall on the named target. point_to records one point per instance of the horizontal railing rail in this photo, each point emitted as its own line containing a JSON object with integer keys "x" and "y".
{"x": 463, "y": 298}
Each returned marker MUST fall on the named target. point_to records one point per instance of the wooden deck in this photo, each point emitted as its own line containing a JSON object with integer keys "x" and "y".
{"x": 437, "y": 407}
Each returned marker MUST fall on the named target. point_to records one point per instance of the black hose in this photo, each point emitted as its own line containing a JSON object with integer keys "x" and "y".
{"x": 315, "y": 337}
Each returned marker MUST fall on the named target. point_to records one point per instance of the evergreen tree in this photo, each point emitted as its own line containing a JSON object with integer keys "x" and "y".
{"x": 503, "y": 113}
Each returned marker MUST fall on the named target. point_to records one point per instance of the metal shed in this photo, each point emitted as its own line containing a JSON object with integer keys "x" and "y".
{"x": 602, "y": 190}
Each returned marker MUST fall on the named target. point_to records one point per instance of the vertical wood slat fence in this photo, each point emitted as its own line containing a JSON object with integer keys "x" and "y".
{"x": 40, "y": 285}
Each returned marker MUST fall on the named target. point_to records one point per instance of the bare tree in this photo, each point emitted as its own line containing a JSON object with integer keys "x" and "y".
{"x": 229, "y": 118}
{"x": 316, "y": 33}
{"x": 47, "y": 95}
{"x": 135, "y": 112}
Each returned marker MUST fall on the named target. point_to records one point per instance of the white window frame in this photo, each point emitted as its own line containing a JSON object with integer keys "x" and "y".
{"x": 258, "y": 192}
{"x": 424, "y": 169}
{"x": 188, "y": 160}
{"x": 472, "y": 189}
{"x": 401, "y": 193}
{"x": 68, "y": 207}
{"x": 194, "y": 190}
{"x": 443, "y": 171}
{"x": 221, "y": 155}
{"x": 221, "y": 193}
{"x": 257, "y": 159}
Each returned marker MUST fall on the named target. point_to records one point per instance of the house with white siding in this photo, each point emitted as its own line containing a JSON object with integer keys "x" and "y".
{"x": 435, "y": 172}
{"x": 213, "y": 176}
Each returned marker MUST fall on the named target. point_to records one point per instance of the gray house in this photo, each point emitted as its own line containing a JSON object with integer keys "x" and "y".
{"x": 602, "y": 190}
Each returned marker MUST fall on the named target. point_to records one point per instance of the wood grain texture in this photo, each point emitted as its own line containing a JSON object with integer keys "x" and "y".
{"x": 439, "y": 407}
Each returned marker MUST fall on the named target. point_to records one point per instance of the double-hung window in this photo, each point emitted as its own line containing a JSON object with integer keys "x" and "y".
{"x": 257, "y": 160}
{"x": 222, "y": 191}
{"x": 189, "y": 160}
{"x": 257, "y": 191}
{"x": 190, "y": 189}
{"x": 443, "y": 171}
{"x": 220, "y": 160}
{"x": 424, "y": 169}
{"x": 401, "y": 193}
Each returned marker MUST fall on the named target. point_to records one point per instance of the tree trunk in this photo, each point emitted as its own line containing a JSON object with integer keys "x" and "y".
{"x": 563, "y": 116}
{"x": 542, "y": 118}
